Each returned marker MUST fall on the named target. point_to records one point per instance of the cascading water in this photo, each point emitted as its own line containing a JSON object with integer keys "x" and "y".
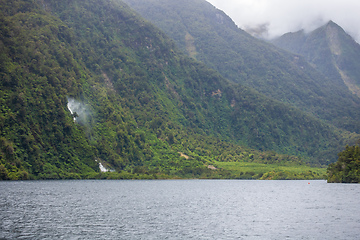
{"x": 80, "y": 114}
{"x": 79, "y": 111}
{"x": 71, "y": 111}
{"x": 73, "y": 106}
{"x": 102, "y": 168}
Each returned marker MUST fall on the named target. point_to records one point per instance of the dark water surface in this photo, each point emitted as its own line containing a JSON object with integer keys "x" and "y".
{"x": 179, "y": 209}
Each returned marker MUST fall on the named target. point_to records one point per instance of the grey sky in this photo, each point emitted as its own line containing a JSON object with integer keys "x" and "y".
{"x": 283, "y": 16}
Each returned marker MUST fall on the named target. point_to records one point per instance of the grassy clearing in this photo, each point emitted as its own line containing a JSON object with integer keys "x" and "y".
{"x": 251, "y": 170}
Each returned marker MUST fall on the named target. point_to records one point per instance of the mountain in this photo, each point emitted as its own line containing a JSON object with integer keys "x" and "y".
{"x": 88, "y": 84}
{"x": 210, "y": 36}
{"x": 330, "y": 50}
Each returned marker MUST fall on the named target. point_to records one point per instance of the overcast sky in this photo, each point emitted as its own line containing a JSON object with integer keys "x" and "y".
{"x": 283, "y": 16}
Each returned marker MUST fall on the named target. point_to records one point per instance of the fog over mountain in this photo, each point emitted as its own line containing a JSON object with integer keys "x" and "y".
{"x": 271, "y": 18}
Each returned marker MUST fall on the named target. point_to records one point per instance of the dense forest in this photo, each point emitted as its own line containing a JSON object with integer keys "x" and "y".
{"x": 210, "y": 36}
{"x": 89, "y": 83}
{"x": 347, "y": 168}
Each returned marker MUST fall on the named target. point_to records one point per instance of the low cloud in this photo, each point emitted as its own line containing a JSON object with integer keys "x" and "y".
{"x": 282, "y": 16}
{"x": 80, "y": 110}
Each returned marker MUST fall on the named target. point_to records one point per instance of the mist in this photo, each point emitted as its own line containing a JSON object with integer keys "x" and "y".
{"x": 276, "y": 17}
{"x": 81, "y": 110}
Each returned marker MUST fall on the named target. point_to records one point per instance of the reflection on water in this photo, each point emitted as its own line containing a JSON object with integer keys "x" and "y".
{"x": 179, "y": 209}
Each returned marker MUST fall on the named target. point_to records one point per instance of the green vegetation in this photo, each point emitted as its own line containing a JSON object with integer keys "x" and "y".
{"x": 141, "y": 107}
{"x": 38, "y": 136}
{"x": 250, "y": 170}
{"x": 347, "y": 168}
{"x": 217, "y": 42}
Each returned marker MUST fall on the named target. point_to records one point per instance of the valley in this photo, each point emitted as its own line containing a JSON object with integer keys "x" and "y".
{"x": 89, "y": 82}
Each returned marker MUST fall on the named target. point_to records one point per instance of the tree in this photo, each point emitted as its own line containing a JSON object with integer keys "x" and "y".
{"x": 347, "y": 168}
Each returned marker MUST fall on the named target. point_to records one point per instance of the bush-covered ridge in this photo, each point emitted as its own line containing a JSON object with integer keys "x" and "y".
{"x": 145, "y": 101}
{"x": 347, "y": 168}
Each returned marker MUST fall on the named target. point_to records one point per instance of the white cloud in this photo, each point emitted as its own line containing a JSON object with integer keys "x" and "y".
{"x": 292, "y": 15}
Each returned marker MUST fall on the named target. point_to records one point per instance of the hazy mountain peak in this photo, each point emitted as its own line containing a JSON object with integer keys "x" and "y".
{"x": 331, "y": 50}
{"x": 331, "y": 23}
{"x": 333, "y": 28}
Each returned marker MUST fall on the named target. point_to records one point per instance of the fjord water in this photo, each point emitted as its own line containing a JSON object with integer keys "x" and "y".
{"x": 179, "y": 209}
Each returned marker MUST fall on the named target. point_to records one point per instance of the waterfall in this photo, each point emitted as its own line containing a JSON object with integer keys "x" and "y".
{"x": 71, "y": 111}
{"x": 102, "y": 168}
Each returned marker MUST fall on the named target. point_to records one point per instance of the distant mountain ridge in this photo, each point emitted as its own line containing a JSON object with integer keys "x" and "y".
{"x": 331, "y": 51}
{"x": 210, "y": 36}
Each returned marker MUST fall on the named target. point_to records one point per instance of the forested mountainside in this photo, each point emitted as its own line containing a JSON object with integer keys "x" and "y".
{"x": 331, "y": 50}
{"x": 140, "y": 107}
{"x": 210, "y": 36}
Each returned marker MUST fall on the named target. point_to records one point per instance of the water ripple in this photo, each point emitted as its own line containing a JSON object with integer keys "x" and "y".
{"x": 190, "y": 209}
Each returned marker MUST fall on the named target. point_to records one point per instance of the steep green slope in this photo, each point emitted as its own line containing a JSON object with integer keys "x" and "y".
{"x": 37, "y": 73}
{"x": 140, "y": 104}
{"x": 331, "y": 50}
{"x": 202, "y": 99}
{"x": 210, "y": 36}
{"x": 41, "y": 68}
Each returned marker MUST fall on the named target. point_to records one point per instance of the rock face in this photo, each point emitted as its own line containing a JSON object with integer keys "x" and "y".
{"x": 331, "y": 50}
